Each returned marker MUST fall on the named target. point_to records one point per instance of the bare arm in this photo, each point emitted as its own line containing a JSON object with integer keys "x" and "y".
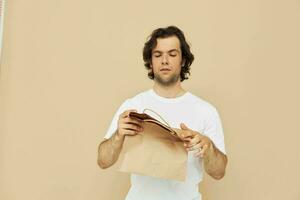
{"x": 109, "y": 150}
{"x": 213, "y": 159}
{"x": 215, "y": 162}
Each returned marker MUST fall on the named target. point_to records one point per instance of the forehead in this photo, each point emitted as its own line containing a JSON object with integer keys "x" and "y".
{"x": 166, "y": 44}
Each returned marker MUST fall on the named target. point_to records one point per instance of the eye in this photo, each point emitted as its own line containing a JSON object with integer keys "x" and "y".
{"x": 157, "y": 55}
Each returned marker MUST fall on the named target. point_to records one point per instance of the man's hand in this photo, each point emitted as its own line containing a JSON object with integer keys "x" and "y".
{"x": 194, "y": 141}
{"x": 109, "y": 150}
{"x": 127, "y": 125}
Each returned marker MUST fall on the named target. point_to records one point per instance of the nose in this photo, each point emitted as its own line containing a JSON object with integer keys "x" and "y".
{"x": 165, "y": 59}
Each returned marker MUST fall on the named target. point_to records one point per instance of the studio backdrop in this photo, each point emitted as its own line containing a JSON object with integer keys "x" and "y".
{"x": 66, "y": 67}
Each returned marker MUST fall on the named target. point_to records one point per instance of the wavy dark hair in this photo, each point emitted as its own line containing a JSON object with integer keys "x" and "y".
{"x": 187, "y": 56}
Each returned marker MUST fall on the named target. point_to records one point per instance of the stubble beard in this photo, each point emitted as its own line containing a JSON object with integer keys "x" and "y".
{"x": 172, "y": 80}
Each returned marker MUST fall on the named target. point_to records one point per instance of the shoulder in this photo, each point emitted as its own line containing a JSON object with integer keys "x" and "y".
{"x": 137, "y": 99}
{"x": 202, "y": 105}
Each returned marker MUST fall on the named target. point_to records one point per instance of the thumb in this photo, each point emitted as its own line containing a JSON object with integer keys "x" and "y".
{"x": 187, "y": 132}
{"x": 127, "y": 112}
{"x": 184, "y": 127}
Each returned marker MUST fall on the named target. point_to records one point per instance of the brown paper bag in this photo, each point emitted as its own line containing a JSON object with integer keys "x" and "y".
{"x": 157, "y": 151}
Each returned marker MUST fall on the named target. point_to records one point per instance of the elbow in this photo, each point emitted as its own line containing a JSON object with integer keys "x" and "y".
{"x": 221, "y": 173}
{"x": 218, "y": 176}
{"x": 101, "y": 164}
{"x": 100, "y": 160}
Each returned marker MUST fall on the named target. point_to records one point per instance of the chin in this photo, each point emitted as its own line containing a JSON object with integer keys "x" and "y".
{"x": 166, "y": 81}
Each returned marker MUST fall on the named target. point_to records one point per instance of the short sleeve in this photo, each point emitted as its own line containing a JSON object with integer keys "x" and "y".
{"x": 114, "y": 123}
{"x": 214, "y": 130}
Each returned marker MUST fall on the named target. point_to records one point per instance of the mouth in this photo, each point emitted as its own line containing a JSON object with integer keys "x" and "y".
{"x": 165, "y": 69}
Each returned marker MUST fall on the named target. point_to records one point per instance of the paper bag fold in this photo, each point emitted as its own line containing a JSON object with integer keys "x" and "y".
{"x": 156, "y": 152}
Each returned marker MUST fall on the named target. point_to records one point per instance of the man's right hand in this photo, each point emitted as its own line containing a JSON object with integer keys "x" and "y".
{"x": 109, "y": 150}
{"x": 128, "y": 125}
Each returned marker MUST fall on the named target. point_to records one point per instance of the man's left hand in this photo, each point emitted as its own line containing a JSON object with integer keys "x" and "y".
{"x": 194, "y": 141}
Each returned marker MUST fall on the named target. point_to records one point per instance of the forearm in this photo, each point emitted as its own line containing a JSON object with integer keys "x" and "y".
{"x": 215, "y": 162}
{"x": 109, "y": 150}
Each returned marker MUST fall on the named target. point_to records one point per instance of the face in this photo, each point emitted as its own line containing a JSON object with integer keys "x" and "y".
{"x": 166, "y": 61}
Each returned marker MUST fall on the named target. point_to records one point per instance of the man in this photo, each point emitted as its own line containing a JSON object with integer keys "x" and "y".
{"x": 168, "y": 58}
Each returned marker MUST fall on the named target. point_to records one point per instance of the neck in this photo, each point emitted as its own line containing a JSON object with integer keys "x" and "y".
{"x": 170, "y": 91}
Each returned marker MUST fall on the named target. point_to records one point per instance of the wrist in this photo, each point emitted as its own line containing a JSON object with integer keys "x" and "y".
{"x": 117, "y": 139}
{"x": 119, "y": 136}
{"x": 212, "y": 147}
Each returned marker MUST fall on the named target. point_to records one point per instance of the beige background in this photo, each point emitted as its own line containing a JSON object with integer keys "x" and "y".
{"x": 67, "y": 65}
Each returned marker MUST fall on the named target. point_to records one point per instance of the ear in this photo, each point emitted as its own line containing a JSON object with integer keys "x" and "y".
{"x": 183, "y": 62}
{"x": 151, "y": 68}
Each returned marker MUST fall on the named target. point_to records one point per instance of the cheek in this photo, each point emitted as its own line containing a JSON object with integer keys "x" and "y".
{"x": 155, "y": 65}
{"x": 176, "y": 60}
{"x": 155, "y": 62}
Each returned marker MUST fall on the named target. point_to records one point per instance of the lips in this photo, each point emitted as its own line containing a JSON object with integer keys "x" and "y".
{"x": 165, "y": 69}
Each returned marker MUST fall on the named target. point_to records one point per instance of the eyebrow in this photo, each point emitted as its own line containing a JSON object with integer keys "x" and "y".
{"x": 157, "y": 51}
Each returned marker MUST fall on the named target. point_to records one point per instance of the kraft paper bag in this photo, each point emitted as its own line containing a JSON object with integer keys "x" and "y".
{"x": 157, "y": 151}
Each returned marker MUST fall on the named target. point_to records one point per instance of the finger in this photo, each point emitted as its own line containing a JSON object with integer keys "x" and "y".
{"x": 186, "y": 135}
{"x": 204, "y": 148}
{"x": 200, "y": 145}
{"x": 197, "y": 154}
{"x": 126, "y": 112}
{"x": 132, "y": 127}
{"x": 193, "y": 141}
{"x": 184, "y": 127}
{"x": 187, "y": 132}
{"x": 194, "y": 147}
{"x": 133, "y": 121}
{"x": 201, "y": 153}
{"x": 187, "y": 142}
{"x": 130, "y": 132}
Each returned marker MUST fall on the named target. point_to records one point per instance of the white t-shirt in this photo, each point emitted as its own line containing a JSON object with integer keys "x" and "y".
{"x": 198, "y": 115}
